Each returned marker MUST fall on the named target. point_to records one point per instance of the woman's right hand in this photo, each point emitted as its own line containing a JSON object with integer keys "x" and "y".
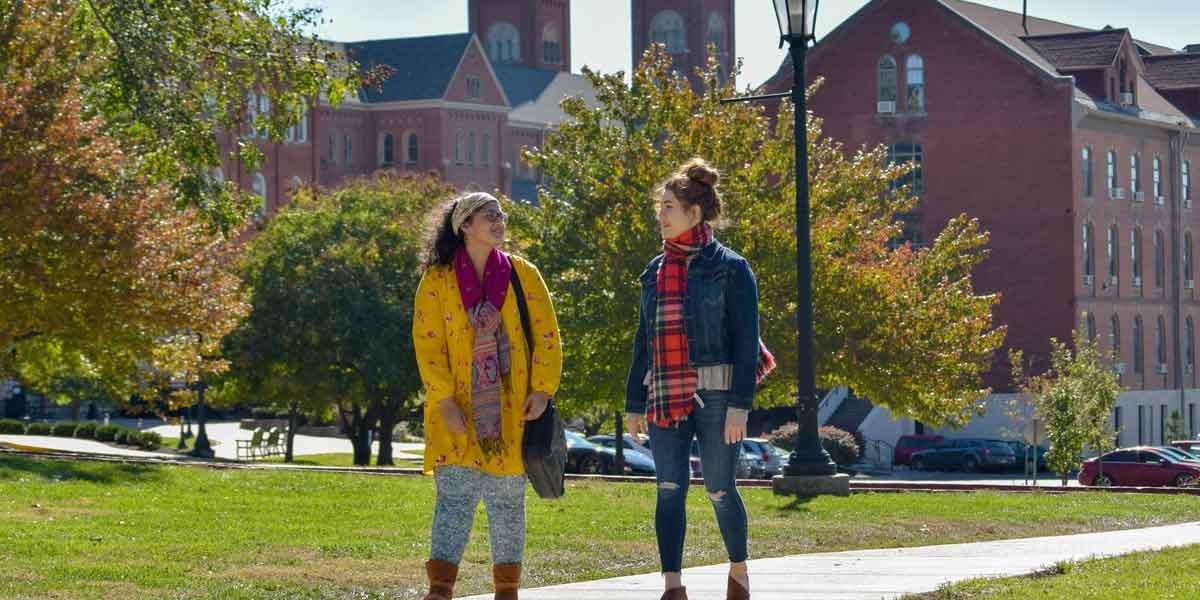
{"x": 635, "y": 424}
{"x": 453, "y": 416}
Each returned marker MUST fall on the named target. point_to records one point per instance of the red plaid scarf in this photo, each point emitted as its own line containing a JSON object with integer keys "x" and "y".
{"x": 673, "y": 384}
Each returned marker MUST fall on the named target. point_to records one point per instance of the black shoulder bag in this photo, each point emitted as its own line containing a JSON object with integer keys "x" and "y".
{"x": 544, "y": 448}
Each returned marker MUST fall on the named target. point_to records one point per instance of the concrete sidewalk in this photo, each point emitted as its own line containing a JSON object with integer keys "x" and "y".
{"x": 877, "y": 574}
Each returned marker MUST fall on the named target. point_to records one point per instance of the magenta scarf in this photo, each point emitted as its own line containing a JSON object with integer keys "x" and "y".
{"x": 491, "y": 356}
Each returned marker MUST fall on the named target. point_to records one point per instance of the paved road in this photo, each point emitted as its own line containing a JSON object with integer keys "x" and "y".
{"x": 877, "y": 574}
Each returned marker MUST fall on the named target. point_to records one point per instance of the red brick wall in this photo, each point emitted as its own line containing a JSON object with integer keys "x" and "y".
{"x": 695, "y": 15}
{"x": 530, "y": 17}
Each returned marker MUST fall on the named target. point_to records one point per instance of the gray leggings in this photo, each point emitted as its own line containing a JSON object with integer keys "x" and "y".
{"x": 459, "y": 490}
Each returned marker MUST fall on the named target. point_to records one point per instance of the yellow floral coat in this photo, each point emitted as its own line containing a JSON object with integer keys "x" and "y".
{"x": 444, "y": 338}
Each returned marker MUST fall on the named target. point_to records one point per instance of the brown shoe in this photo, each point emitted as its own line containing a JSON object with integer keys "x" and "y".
{"x": 442, "y": 576}
{"x": 735, "y": 591}
{"x": 507, "y": 579}
{"x": 679, "y": 593}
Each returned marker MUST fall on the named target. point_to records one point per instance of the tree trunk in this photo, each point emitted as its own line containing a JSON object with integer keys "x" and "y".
{"x": 389, "y": 415}
{"x": 619, "y": 467}
{"x": 293, "y": 413}
{"x": 75, "y": 404}
{"x": 356, "y": 429}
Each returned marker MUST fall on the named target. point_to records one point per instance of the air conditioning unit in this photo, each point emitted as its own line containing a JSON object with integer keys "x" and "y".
{"x": 886, "y": 107}
{"x": 1127, "y": 98}
{"x": 1088, "y": 280}
{"x": 1189, "y": 284}
{"x": 1119, "y": 368}
{"x": 1162, "y": 369}
{"x": 1187, "y": 203}
{"x": 1116, "y": 193}
{"x": 1139, "y": 196}
{"x": 1137, "y": 282}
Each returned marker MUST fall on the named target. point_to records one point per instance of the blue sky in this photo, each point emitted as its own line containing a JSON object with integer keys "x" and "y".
{"x": 601, "y": 28}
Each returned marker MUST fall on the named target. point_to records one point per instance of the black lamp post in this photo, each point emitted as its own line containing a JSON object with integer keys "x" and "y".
{"x": 796, "y": 19}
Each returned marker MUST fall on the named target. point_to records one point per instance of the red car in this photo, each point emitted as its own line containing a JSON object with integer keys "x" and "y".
{"x": 907, "y": 444}
{"x": 1142, "y": 466}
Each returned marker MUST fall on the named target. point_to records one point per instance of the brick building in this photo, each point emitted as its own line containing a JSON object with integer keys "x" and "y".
{"x": 1074, "y": 147}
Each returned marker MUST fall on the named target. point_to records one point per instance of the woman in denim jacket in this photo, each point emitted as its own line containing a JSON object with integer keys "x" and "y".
{"x": 694, "y": 368}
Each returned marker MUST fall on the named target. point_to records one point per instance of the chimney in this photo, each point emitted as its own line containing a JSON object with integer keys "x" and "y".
{"x": 1191, "y": 49}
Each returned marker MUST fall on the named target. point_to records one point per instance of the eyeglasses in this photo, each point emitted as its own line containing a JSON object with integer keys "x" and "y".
{"x": 494, "y": 215}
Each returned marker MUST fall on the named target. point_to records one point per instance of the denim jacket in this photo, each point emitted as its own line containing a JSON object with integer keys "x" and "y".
{"x": 720, "y": 310}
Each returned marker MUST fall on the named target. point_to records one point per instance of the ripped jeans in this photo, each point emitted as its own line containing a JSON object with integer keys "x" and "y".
{"x": 671, "y": 447}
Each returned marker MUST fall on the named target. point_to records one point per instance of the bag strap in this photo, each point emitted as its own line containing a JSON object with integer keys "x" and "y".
{"x": 523, "y": 308}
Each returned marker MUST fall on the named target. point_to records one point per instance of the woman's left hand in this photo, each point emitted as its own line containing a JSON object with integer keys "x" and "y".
{"x": 535, "y": 405}
{"x": 735, "y": 425}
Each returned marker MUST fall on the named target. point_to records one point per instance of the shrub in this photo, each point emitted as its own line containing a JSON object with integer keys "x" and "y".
{"x": 11, "y": 426}
{"x": 64, "y": 429}
{"x": 107, "y": 433}
{"x": 841, "y": 445}
{"x": 260, "y": 413}
{"x": 149, "y": 440}
{"x": 86, "y": 431}
{"x": 785, "y": 437}
{"x": 38, "y": 429}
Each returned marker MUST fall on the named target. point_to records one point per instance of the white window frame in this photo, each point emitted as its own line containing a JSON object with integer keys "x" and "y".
{"x": 914, "y": 79}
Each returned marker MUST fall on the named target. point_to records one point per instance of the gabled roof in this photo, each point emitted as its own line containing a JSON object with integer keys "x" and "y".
{"x": 1173, "y": 71}
{"x": 424, "y": 65}
{"x": 522, "y": 84}
{"x": 1079, "y": 50}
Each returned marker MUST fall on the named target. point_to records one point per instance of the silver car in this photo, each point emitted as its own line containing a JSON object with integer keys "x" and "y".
{"x": 774, "y": 459}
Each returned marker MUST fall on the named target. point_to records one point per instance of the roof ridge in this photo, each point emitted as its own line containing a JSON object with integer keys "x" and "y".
{"x": 1122, "y": 30}
{"x": 1017, "y": 14}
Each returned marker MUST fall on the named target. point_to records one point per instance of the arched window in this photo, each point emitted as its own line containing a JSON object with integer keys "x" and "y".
{"x": 1089, "y": 268}
{"x": 1086, "y": 163}
{"x": 1112, "y": 171}
{"x": 1135, "y": 184}
{"x": 1138, "y": 351}
{"x": 411, "y": 149}
{"x": 666, "y": 28}
{"x": 1135, "y": 256}
{"x": 551, "y": 44}
{"x": 717, "y": 33}
{"x": 887, "y": 81}
{"x": 259, "y": 187}
{"x": 1160, "y": 343}
{"x": 1113, "y": 237}
{"x": 914, "y": 75}
{"x": 387, "y": 150}
{"x": 1159, "y": 259}
{"x": 504, "y": 43}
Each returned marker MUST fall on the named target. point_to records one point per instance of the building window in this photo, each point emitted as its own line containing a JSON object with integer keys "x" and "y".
{"x": 1186, "y": 184}
{"x": 1162, "y": 424}
{"x": 1112, "y": 171}
{"x": 347, "y": 150}
{"x": 1189, "y": 346}
{"x": 716, "y": 33}
{"x": 1135, "y": 256}
{"x": 411, "y": 150}
{"x": 387, "y": 151}
{"x": 1089, "y": 268}
{"x": 1159, "y": 259}
{"x": 1086, "y": 162}
{"x": 504, "y": 43}
{"x": 887, "y": 81}
{"x": 1138, "y": 352}
{"x": 332, "y": 147}
{"x": 471, "y": 149}
{"x": 485, "y": 150}
{"x": 259, "y": 187}
{"x": 1113, "y": 236}
{"x": 667, "y": 29}
{"x": 460, "y": 139}
{"x": 551, "y": 45}
{"x": 1157, "y": 180}
{"x": 1091, "y": 327}
{"x": 914, "y": 74}
{"x": 1135, "y": 184}
{"x": 1141, "y": 421}
{"x": 906, "y": 152}
{"x": 218, "y": 176}
{"x": 1187, "y": 256}
{"x": 1160, "y": 343}
{"x": 1114, "y": 336}
{"x": 473, "y": 88}
{"x": 298, "y": 133}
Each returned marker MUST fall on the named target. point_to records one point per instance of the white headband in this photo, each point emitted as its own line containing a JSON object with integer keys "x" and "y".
{"x": 468, "y": 204}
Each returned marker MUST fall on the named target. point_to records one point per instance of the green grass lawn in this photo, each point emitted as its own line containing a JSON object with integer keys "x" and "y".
{"x": 169, "y": 444}
{"x": 101, "y": 530}
{"x": 337, "y": 460}
{"x": 1163, "y": 574}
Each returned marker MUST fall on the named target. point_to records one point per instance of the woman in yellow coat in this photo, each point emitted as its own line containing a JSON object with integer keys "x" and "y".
{"x": 482, "y": 382}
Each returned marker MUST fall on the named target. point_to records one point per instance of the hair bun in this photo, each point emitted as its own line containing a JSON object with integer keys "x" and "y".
{"x": 697, "y": 169}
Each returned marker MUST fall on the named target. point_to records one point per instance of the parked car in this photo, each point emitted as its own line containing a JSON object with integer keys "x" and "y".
{"x": 774, "y": 459}
{"x": 589, "y": 458}
{"x": 970, "y": 455}
{"x": 1022, "y": 450}
{"x": 1140, "y": 466}
{"x": 908, "y": 444}
{"x": 1176, "y": 453}
{"x": 609, "y": 441}
{"x": 750, "y": 464}
{"x": 1192, "y": 446}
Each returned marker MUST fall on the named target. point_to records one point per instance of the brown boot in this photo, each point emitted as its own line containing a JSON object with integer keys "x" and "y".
{"x": 507, "y": 579}
{"x": 735, "y": 591}
{"x": 679, "y": 593}
{"x": 442, "y": 576}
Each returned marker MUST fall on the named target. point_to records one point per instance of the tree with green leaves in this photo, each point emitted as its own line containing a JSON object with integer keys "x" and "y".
{"x": 1176, "y": 428}
{"x": 1073, "y": 400}
{"x": 902, "y": 326}
{"x": 331, "y": 282}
